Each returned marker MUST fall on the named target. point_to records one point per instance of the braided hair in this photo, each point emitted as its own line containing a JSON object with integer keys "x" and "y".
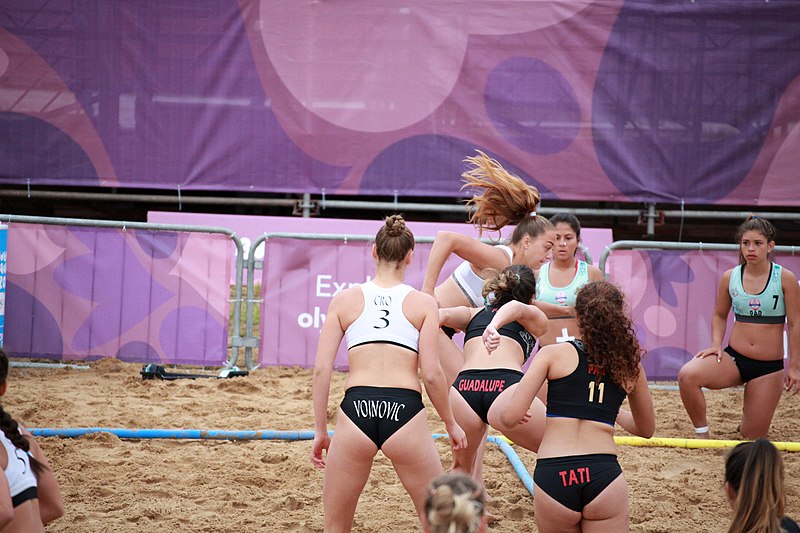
{"x": 10, "y": 427}
{"x": 516, "y": 282}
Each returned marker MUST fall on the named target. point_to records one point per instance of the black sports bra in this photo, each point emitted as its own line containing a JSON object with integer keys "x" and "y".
{"x": 512, "y": 330}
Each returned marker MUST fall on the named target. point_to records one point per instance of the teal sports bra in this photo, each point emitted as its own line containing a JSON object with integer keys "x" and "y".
{"x": 766, "y": 307}
{"x": 561, "y": 295}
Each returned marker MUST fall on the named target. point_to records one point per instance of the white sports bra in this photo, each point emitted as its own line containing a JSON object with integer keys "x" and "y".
{"x": 470, "y": 283}
{"x": 383, "y": 320}
{"x": 21, "y": 479}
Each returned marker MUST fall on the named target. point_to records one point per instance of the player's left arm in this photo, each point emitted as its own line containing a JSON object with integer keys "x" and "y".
{"x": 791, "y": 294}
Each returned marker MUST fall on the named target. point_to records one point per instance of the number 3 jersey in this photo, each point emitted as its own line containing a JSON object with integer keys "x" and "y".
{"x": 766, "y": 307}
{"x": 586, "y": 393}
{"x": 382, "y": 319}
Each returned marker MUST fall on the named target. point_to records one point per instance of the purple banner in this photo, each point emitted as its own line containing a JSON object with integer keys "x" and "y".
{"x": 672, "y": 295}
{"x": 139, "y": 296}
{"x": 587, "y": 100}
{"x": 301, "y": 276}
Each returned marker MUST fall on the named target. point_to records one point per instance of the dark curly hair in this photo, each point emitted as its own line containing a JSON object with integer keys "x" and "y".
{"x": 9, "y": 426}
{"x": 516, "y": 282}
{"x": 394, "y": 239}
{"x": 607, "y": 331}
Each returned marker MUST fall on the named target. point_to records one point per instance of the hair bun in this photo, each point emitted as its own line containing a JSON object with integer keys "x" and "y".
{"x": 395, "y": 225}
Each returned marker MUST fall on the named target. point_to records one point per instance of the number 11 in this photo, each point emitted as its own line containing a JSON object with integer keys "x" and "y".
{"x": 600, "y": 388}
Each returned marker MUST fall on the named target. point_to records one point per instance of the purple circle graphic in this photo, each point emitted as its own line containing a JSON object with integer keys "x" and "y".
{"x": 532, "y": 105}
{"x": 158, "y": 244}
{"x": 675, "y": 115}
{"x": 137, "y": 352}
{"x": 432, "y": 164}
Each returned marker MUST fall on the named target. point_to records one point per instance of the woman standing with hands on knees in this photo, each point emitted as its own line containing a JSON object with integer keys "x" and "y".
{"x": 763, "y": 296}
{"x": 390, "y": 330}
{"x": 579, "y": 483}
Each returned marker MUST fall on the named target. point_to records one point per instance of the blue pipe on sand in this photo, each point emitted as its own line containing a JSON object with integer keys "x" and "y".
{"x": 512, "y": 456}
{"x": 125, "y": 433}
{"x": 515, "y": 461}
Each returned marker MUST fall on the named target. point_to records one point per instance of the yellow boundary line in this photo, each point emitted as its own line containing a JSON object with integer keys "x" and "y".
{"x": 663, "y": 442}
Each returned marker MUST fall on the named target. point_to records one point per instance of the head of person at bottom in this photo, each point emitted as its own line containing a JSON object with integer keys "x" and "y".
{"x": 394, "y": 243}
{"x": 455, "y": 504}
{"x": 514, "y": 283}
{"x": 607, "y": 331}
{"x": 754, "y": 486}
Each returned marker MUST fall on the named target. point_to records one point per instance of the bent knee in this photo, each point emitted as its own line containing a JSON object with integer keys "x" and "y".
{"x": 688, "y": 376}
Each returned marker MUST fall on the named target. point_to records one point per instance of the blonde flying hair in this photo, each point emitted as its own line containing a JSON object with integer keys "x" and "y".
{"x": 455, "y": 504}
{"x": 500, "y": 199}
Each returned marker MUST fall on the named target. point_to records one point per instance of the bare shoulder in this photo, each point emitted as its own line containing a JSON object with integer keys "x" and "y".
{"x": 595, "y": 274}
{"x": 787, "y": 276}
{"x": 346, "y": 298}
{"x": 419, "y": 298}
{"x": 789, "y": 282}
{"x": 555, "y": 351}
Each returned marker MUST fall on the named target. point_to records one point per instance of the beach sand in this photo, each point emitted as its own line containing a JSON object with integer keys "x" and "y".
{"x": 118, "y": 485}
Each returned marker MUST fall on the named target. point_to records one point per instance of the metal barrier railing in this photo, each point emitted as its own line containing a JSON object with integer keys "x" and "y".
{"x": 236, "y": 340}
{"x": 249, "y": 300}
{"x": 250, "y": 341}
{"x": 666, "y": 245}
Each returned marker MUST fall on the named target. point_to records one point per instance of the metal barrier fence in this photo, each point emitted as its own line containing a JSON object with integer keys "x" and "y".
{"x": 236, "y": 340}
{"x": 689, "y": 246}
{"x": 251, "y": 340}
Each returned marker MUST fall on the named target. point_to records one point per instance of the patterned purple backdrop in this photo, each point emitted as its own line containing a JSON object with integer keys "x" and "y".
{"x": 139, "y": 296}
{"x": 301, "y": 276}
{"x": 629, "y": 100}
{"x": 671, "y": 295}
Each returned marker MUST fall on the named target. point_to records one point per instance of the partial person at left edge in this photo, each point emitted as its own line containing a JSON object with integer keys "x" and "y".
{"x": 29, "y": 494}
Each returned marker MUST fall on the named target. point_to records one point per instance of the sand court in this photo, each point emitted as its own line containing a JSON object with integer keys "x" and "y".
{"x": 110, "y": 484}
